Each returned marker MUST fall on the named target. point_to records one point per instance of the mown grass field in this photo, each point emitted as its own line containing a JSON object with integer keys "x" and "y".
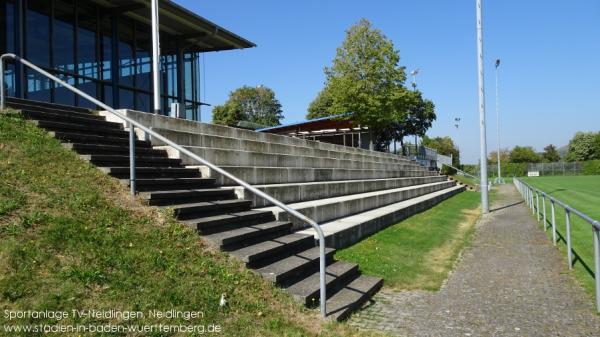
{"x": 419, "y": 252}
{"x": 72, "y": 238}
{"x": 582, "y": 193}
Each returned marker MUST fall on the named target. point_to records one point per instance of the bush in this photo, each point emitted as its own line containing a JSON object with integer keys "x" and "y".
{"x": 591, "y": 167}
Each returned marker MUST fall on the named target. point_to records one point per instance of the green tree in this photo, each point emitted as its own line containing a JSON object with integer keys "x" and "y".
{"x": 523, "y": 154}
{"x": 582, "y": 147}
{"x": 366, "y": 82}
{"x": 550, "y": 154}
{"x": 256, "y": 105}
{"x": 504, "y": 156}
{"x": 445, "y": 146}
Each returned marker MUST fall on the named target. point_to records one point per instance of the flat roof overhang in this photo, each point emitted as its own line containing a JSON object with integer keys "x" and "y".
{"x": 196, "y": 33}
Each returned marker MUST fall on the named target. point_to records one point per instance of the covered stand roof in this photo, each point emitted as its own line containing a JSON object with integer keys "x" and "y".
{"x": 196, "y": 33}
{"x": 318, "y": 126}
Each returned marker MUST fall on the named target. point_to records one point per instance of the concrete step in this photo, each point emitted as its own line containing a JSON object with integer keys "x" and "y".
{"x": 293, "y": 268}
{"x": 122, "y": 160}
{"x": 178, "y": 124}
{"x": 151, "y": 172}
{"x": 83, "y": 148}
{"x": 346, "y": 231}
{"x": 84, "y": 138}
{"x": 263, "y": 253}
{"x": 164, "y": 198}
{"x": 197, "y": 141}
{"x": 13, "y": 101}
{"x": 166, "y": 184}
{"x": 70, "y": 117}
{"x": 323, "y": 210}
{"x": 209, "y": 208}
{"x": 283, "y": 175}
{"x": 244, "y": 236}
{"x": 222, "y": 157}
{"x": 63, "y": 112}
{"x": 352, "y": 296}
{"x": 296, "y": 192}
{"x": 225, "y": 222}
{"x": 81, "y": 128}
{"x": 338, "y": 274}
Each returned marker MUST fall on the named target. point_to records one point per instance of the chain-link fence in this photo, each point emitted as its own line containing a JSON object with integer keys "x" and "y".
{"x": 542, "y": 169}
{"x": 556, "y": 169}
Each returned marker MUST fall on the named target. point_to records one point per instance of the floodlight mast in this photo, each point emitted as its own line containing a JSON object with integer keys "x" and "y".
{"x": 485, "y": 207}
{"x": 499, "y": 179}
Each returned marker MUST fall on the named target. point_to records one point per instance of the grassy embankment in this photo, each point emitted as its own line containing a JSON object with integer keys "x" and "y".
{"x": 72, "y": 238}
{"x": 419, "y": 252}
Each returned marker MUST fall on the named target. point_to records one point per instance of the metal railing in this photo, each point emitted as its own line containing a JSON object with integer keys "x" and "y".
{"x": 532, "y": 200}
{"x": 133, "y": 124}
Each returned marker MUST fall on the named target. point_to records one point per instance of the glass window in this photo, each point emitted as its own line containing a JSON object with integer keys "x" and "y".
{"x": 86, "y": 41}
{"x": 38, "y": 33}
{"x": 108, "y": 95}
{"x": 90, "y": 88}
{"x": 7, "y": 43}
{"x": 126, "y": 61}
{"x": 126, "y": 99}
{"x": 189, "y": 65}
{"x": 106, "y": 31}
{"x": 63, "y": 40}
{"x": 38, "y": 86}
{"x": 63, "y": 95}
{"x": 143, "y": 69}
{"x": 169, "y": 78}
{"x": 142, "y": 102}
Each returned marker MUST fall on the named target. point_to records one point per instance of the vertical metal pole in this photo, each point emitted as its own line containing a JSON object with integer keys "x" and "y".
{"x": 568, "y": 230}
{"x": 537, "y": 201}
{"x": 155, "y": 56}
{"x": 596, "y": 235}
{"x": 553, "y": 221}
{"x": 2, "y": 103}
{"x": 322, "y": 276}
{"x": 544, "y": 206}
{"x": 132, "y": 158}
{"x": 498, "y": 122}
{"x": 485, "y": 207}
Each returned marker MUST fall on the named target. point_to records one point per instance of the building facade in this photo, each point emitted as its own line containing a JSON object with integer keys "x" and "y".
{"x": 104, "y": 47}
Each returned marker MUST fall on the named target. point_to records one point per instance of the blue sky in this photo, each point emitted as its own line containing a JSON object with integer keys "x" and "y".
{"x": 549, "y": 79}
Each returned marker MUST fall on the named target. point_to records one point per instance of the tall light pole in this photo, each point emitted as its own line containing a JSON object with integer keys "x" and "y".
{"x": 414, "y": 74}
{"x": 485, "y": 207}
{"x": 499, "y": 179}
{"x": 155, "y": 57}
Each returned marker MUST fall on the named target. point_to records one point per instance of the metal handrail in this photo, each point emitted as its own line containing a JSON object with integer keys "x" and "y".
{"x": 532, "y": 199}
{"x": 132, "y": 124}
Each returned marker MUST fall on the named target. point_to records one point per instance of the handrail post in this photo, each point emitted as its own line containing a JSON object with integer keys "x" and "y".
{"x": 568, "y": 230}
{"x": 553, "y": 221}
{"x": 132, "y": 158}
{"x": 596, "y": 236}
{"x": 544, "y": 207}
{"x": 2, "y": 98}
{"x": 537, "y": 201}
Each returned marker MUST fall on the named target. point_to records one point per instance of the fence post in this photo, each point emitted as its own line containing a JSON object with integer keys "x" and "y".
{"x": 544, "y": 207}
{"x": 596, "y": 236}
{"x": 532, "y": 203}
{"x": 553, "y": 222}
{"x": 568, "y": 230}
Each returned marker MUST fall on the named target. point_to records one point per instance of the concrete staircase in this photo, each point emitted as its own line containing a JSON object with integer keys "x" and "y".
{"x": 328, "y": 182}
{"x": 351, "y": 192}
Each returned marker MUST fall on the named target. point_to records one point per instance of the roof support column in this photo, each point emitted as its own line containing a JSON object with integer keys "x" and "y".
{"x": 155, "y": 57}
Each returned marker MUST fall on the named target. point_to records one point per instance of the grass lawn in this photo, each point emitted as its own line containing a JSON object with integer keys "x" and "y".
{"x": 582, "y": 193}
{"x": 72, "y": 238}
{"x": 418, "y": 252}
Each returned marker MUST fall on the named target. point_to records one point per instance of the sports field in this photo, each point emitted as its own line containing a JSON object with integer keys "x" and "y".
{"x": 582, "y": 193}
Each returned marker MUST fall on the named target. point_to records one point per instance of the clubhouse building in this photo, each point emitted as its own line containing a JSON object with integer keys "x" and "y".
{"x": 104, "y": 47}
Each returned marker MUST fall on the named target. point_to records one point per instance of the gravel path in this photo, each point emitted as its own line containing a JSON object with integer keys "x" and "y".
{"x": 510, "y": 282}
